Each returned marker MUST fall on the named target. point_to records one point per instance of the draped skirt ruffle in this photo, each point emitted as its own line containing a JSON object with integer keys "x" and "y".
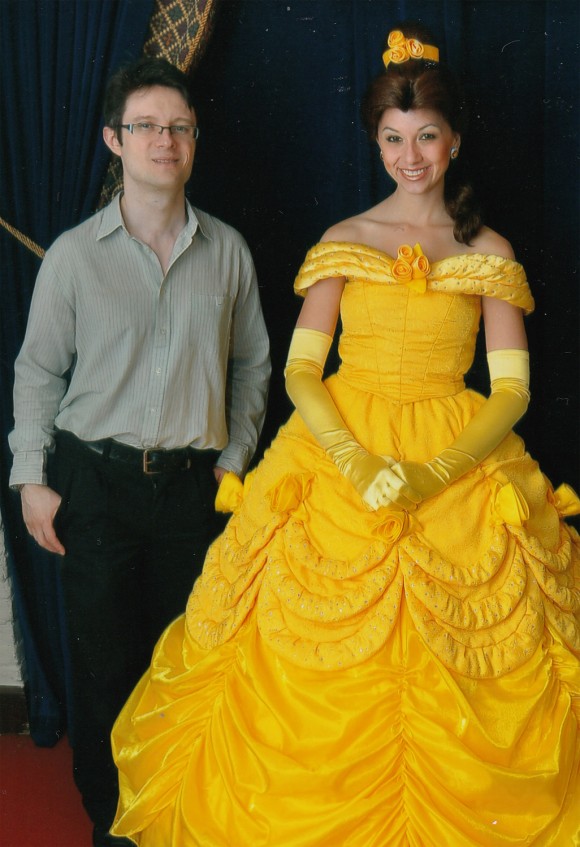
{"x": 358, "y": 678}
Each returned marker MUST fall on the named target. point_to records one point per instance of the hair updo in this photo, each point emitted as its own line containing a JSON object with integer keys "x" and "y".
{"x": 426, "y": 84}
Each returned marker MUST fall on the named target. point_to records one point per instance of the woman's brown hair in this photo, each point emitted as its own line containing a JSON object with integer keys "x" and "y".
{"x": 426, "y": 84}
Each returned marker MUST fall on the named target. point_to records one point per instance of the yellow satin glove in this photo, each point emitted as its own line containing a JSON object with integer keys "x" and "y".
{"x": 369, "y": 474}
{"x": 509, "y": 372}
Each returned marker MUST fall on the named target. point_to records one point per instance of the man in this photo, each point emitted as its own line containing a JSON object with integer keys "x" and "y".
{"x": 142, "y": 380}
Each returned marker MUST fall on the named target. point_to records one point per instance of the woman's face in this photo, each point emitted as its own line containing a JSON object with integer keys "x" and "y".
{"x": 416, "y": 148}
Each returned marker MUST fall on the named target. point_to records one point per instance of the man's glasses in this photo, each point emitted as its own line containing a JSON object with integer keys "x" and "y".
{"x": 179, "y": 130}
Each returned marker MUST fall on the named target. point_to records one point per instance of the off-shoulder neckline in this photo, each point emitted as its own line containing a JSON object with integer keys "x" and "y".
{"x": 388, "y": 256}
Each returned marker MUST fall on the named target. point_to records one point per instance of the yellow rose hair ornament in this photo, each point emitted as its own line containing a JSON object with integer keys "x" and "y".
{"x": 401, "y": 49}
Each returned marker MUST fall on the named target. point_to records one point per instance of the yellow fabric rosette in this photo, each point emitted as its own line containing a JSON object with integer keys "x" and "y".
{"x": 391, "y": 525}
{"x": 232, "y": 491}
{"x": 397, "y": 54}
{"x": 290, "y": 492}
{"x": 566, "y": 501}
{"x": 402, "y": 271}
{"x": 415, "y": 49}
{"x": 510, "y": 506}
{"x": 406, "y": 252}
{"x": 411, "y": 267}
{"x": 229, "y": 494}
{"x": 396, "y": 37}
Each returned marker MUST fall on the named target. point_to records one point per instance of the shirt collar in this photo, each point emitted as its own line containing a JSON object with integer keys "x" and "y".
{"x": 194, "y": 223}
{"x": 112, "y": 219}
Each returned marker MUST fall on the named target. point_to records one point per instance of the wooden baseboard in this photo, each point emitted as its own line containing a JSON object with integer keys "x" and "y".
{"x": 13, "y": 712}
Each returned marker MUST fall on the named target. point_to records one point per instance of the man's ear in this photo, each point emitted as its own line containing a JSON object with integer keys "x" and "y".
{"x": 111, "y": 140}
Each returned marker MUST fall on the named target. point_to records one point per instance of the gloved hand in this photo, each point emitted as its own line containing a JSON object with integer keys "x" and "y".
{"x": 509, "y": 399}
{"x": 369, "y": 474}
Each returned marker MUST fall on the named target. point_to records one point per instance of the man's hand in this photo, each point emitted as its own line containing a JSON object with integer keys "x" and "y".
{"x": 39, "y": 506}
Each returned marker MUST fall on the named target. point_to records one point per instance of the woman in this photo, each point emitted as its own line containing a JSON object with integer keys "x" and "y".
{"x": 380, "y": 650}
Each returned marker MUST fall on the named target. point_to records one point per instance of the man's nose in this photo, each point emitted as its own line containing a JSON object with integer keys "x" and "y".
{"x": 163, "y": 137}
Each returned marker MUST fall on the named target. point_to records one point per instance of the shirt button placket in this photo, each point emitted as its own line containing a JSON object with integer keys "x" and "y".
{"x": 157, "y": 382}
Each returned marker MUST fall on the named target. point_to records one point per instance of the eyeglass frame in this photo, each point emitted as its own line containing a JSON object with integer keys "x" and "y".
{"x": 194, "y": 136}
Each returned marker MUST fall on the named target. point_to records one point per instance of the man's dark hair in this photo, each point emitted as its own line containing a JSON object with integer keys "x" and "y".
{"x": 142, "y": 73}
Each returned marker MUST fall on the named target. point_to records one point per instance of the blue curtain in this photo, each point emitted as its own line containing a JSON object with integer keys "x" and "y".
{"x": 282, "y": 155}
{"x": 56, "y": 58}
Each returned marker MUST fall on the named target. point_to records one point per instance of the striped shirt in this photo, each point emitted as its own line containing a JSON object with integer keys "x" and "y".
{"x": 115, "y": 348}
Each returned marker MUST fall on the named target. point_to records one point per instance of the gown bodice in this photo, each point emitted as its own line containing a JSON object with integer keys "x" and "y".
{"x": 399, "y": 340}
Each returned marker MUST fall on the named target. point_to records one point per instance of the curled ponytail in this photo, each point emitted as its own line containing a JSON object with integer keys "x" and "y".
{"x": 462, "y": 206}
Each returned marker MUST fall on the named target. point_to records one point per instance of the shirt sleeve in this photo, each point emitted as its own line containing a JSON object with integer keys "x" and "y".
{"x": 248, "y": 372}
{"x": 41, "y": 371}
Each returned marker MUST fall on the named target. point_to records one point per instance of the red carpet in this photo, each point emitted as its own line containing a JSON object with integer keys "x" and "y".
{"x": 39, "y": 803}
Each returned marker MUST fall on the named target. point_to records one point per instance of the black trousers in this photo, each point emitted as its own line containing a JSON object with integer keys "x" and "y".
{"x": 134, "y": 547}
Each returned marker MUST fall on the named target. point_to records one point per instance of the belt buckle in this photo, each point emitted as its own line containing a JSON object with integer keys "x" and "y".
{"x": 146, "y": 463}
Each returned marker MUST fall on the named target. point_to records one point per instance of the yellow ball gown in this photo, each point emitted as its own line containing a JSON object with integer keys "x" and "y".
{"x": 348, "y": 678}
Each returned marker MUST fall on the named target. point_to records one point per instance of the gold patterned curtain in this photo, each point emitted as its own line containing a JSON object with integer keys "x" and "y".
{"x": 179, "y": 31}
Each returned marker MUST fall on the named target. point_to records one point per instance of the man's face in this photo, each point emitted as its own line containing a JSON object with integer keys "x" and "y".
{"x": 157, "y": 160}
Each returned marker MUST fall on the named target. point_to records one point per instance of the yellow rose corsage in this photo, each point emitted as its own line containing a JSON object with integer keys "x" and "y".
{"x": 411, "y": 267}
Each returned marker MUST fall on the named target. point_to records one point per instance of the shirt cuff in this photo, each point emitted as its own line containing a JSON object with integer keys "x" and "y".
{"x": 28, "y": 467}
{"x": 235, "y": 457}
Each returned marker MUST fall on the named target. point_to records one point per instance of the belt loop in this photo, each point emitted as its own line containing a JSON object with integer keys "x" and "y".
{"x": 107, "y": 449}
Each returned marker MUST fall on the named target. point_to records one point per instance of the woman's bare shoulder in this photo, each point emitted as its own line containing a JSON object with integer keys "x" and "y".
{"x": 492, "y": 243}
{"x": 351, "y": 229}
{"x": 364, "y": 228}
